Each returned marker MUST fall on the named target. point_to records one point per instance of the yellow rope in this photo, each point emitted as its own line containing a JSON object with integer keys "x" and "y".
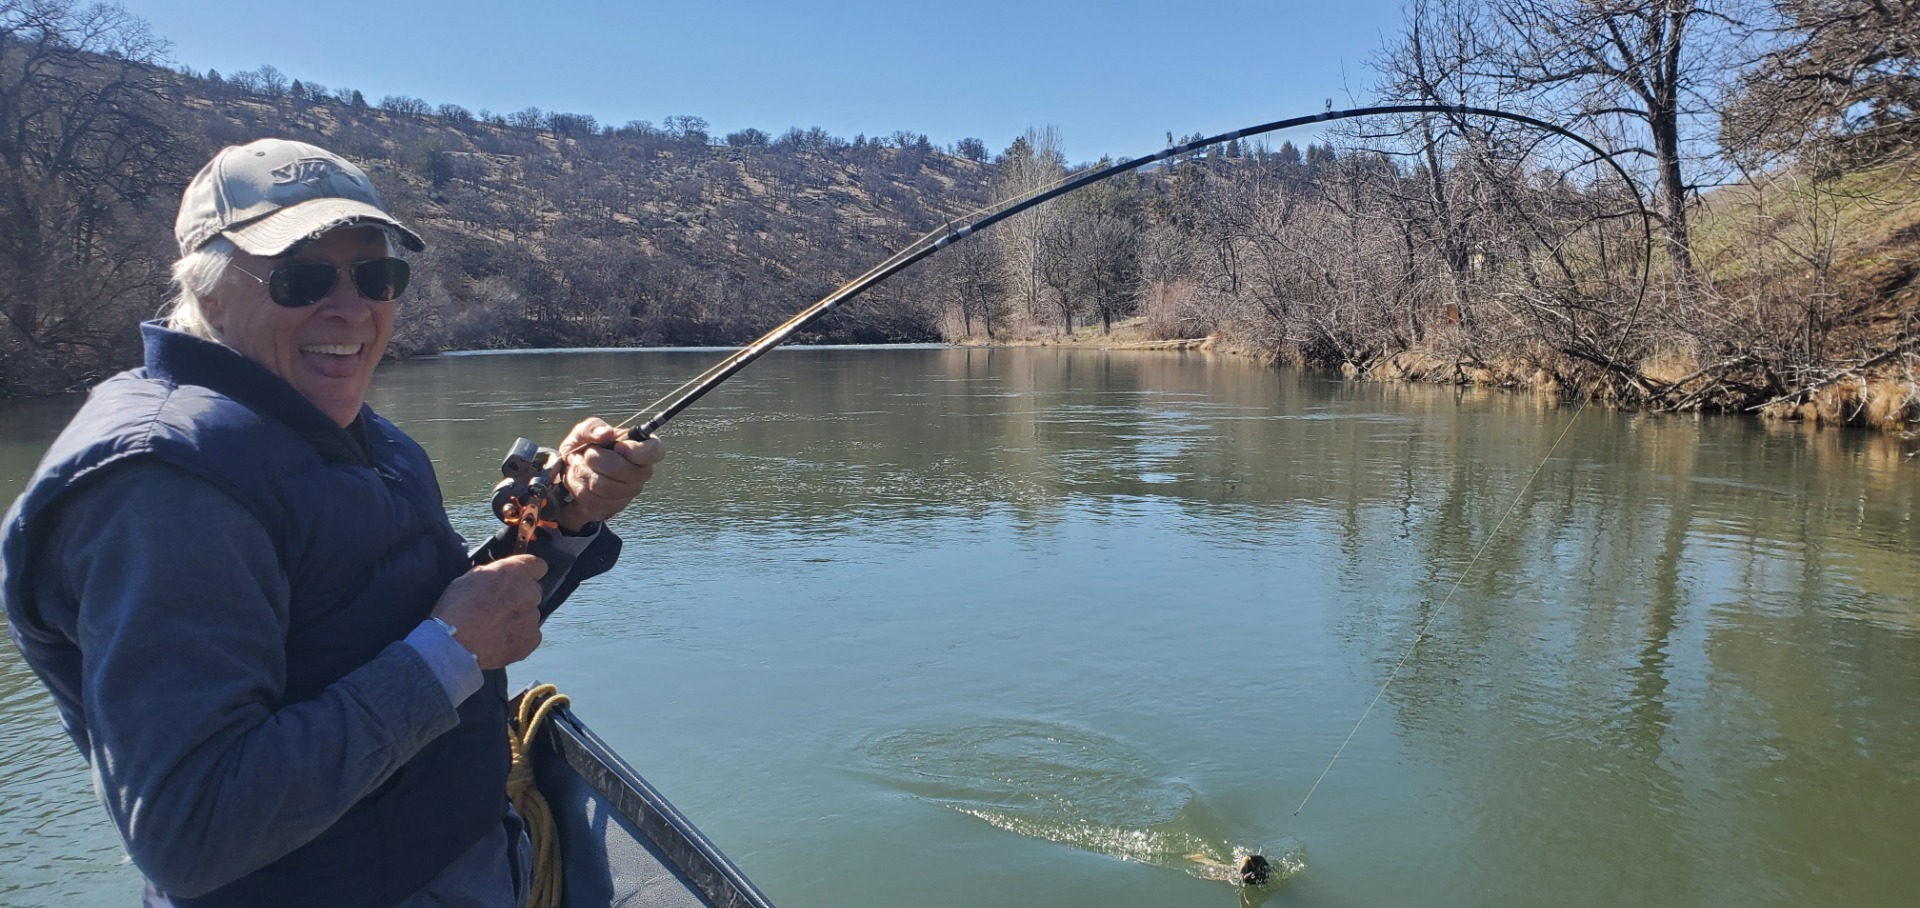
{"x": 535, "y": 705}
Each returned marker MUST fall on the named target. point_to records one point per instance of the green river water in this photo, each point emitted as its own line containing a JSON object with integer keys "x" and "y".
{"x": 953, "y": 627}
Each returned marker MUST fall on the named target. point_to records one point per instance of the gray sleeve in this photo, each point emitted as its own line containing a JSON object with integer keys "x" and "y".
{"x": 176, "y": 597}
{"x": 456, "y": 667}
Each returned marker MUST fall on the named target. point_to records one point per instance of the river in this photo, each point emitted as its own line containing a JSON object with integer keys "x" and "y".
{"x": 962, "y": 627}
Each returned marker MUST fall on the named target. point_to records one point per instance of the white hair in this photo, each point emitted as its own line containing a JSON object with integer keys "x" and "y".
{"x": 198, "y": 272}
{"x": 194, "y": 277}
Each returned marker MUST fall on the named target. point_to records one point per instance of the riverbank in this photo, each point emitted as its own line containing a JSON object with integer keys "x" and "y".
{"x": 1879, "y": 396}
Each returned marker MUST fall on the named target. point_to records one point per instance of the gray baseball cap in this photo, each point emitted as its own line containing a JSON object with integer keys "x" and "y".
{"x": 272, "y": 195}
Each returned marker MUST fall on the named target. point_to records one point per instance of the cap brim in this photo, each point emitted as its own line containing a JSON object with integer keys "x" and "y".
{"x": 277, "y": 233}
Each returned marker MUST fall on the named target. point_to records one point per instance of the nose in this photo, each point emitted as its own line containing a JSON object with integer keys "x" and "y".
{"x": 343, "y": 300}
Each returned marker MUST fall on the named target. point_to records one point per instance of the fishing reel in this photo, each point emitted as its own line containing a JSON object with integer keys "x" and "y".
{"x": 531, "y": 492}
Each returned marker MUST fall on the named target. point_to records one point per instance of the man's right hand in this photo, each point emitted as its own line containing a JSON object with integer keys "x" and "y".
{"x": 496, "y": 609}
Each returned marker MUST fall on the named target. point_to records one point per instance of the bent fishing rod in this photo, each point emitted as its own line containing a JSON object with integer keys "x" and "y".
{"x": 531, "y": 493}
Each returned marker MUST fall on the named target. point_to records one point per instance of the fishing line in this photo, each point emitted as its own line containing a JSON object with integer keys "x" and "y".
{"x": 1421, "y": 634}
{"x": 1620, "y": 340}
{"x": 670, "y": 405}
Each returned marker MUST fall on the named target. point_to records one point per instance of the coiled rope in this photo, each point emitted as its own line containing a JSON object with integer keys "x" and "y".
{"x": 539, "y": 702}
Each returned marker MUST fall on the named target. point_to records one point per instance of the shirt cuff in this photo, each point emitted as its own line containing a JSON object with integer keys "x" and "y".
{"x": 572, "y": 545}
{"x": 455, "y": 667}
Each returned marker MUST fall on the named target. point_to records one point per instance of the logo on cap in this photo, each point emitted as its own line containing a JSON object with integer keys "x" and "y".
{"x": 309, "y": 171}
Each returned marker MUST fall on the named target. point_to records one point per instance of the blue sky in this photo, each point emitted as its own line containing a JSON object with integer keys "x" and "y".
{"x": 1113, "y": 77}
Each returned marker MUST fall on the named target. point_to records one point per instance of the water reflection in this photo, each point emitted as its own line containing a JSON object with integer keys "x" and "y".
{"x": 1682, "y": 672}
{"x": 56, "y": 846}
{"x": 1673, "y": 647}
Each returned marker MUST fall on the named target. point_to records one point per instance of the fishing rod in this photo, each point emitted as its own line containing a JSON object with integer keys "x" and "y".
{"x": 531, "y": 493}
{"x": 684, "y": 396}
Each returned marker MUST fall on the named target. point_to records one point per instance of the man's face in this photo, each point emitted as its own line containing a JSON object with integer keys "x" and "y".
{"x": 327, "y": 350}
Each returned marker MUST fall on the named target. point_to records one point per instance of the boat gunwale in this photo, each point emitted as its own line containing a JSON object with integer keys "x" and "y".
{"x": 691, "y": 853}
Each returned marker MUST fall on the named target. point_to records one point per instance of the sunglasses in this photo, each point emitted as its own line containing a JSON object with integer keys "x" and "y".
{"x": 305, "y": 283}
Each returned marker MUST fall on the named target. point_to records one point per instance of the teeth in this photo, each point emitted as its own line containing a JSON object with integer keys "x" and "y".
{"x": 333, "y": 349}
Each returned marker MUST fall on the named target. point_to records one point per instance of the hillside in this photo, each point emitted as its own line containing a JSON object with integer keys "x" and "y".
{"x": 1436, "y": 247}
{"x": 544, "y": 229}
{"x": 1834, "y": 264}
{"x": 543, "y": 236}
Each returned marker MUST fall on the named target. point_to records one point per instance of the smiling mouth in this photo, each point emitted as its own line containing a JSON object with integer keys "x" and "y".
{"x": 333, "y": 349}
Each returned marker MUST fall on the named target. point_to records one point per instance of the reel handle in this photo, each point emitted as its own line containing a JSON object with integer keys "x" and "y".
{"x": 530, "y": 493}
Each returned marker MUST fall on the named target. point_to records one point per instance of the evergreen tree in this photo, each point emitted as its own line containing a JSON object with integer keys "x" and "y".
{"x": 432, "y": 161}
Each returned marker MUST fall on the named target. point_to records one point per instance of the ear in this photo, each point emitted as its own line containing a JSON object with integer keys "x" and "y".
{"x": 213, "y": 308}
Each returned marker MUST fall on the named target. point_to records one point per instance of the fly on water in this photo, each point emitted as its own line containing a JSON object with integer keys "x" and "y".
{"x": 1131, "y": 814}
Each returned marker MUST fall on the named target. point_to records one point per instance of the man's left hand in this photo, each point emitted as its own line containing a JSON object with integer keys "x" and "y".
{"x": 604, "y": 472}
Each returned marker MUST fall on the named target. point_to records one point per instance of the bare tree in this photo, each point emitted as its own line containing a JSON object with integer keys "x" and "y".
{"x": 273, "y": 82}
{"x": 1111, "y": 262}
{"x": 1647, "y": 63}
{"x": 1032, "y": 161}
{"x": 1108, "y": 220}
{"x": 1058, "y": 270}
{"x": 1441, "y": 59}
{"x": 1166, "y": 271}
{"x": 83, "y": 142}
{"x": 974, "y": 278}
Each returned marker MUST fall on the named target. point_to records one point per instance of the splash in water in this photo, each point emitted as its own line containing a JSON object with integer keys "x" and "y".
{"x": 1062, "y": 784}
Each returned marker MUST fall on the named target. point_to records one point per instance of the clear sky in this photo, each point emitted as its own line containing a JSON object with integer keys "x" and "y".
{"x": 1114, "y": 77}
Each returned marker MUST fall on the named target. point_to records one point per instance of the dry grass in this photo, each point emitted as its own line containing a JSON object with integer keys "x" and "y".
{"x": 1768, "y": 230}
{"x": 1873, "y": 403}
{"x": 1129, "y": 333}
{"x": 1669, "y": 366}
{"x": 1530, "y": 371}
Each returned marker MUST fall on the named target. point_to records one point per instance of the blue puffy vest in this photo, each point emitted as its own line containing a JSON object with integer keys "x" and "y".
{"x": 367, "y": 548}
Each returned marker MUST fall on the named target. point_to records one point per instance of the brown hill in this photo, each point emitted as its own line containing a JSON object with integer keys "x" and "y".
{"x": 544, "y": 229}
{"x": 564, "y": 234}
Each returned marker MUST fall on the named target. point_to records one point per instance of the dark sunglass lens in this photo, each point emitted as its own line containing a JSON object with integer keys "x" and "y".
{"x": 300, "y": 284}
{"x": 381, "y": 280}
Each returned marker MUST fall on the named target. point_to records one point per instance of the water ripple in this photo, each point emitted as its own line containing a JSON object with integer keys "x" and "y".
{"x": 1059, "y": 783}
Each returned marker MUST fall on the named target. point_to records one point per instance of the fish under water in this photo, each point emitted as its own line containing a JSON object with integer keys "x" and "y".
{"x": 1058, "y": 783}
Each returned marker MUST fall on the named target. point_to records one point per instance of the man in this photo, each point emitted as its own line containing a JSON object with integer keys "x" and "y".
{"x": 242, "y": 589}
